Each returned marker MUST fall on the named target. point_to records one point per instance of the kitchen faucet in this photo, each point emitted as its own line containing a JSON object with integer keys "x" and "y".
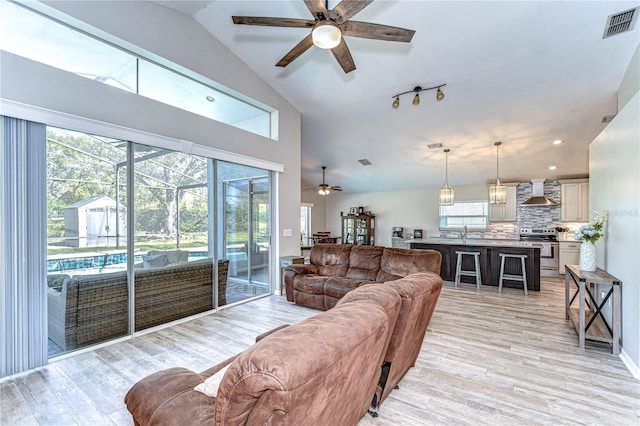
{"x": 463, "y": 235}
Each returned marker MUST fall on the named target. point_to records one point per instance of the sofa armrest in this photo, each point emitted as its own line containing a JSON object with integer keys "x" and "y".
{"x": 168, "y": 397}
{"x": 270, "y": 332}
{"x": 290, "y": 274}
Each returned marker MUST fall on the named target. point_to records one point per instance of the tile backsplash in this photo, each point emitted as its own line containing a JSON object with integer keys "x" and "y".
{"x": 538, "y": 216}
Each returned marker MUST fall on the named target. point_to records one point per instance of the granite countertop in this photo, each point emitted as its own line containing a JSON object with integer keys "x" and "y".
{"x": 476, "y": 242}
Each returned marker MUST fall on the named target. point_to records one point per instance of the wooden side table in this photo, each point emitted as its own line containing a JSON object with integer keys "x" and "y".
{"x": 592, "y": 324}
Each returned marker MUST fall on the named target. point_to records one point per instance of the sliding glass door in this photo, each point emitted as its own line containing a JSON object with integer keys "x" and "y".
{"x": 246, "y": 228}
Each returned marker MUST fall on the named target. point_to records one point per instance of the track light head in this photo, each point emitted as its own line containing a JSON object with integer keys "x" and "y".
{"x": 396, "y": 103}
{"x": 439, "y": 95}
{"x": 416, "y": 99}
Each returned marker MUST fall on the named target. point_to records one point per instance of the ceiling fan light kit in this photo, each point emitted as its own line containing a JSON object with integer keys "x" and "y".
{"x": 416, "y": 97}
{"x": 446, "y": 193}
{"x": 329, "y": 28}
{"x": 497, "y": 191}
{"x": 326, "y": 35}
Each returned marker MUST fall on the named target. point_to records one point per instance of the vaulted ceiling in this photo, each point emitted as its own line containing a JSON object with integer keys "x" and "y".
{"x": 524, "y": 73}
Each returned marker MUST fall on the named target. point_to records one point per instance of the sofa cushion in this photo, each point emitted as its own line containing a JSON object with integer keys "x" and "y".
{"x": 364, "y": 262}
{"x": 312, "y": 284}
{"x": 339, "y": 286}
{"x": 173, "y": 256}
{"x": 155, "y": 261}
{"x": 331, "y": 259}
{"x": 397, "y": 263}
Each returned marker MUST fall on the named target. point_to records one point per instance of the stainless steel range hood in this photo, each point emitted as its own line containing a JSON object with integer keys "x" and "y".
{"x": 538, "y": 198}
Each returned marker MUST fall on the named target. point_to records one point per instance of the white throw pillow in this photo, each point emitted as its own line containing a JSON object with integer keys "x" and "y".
{"x": 212, "y": 384}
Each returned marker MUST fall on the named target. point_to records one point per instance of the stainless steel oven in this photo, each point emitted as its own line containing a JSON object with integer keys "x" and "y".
{"x": 549, "y": 261}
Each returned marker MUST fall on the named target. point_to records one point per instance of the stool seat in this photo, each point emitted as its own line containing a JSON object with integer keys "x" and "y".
{"x": 468, "y": 272}
{"x": 513, "y": 277}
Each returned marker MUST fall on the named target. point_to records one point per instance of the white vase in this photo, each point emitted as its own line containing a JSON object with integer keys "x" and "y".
{"x": 587, "y": 256}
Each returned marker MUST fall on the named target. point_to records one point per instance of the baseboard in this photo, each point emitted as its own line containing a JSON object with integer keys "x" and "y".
{"x": 633, "y": 368}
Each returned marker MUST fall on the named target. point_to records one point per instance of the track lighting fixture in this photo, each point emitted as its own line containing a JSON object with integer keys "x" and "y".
{"x": 416, "y": 97}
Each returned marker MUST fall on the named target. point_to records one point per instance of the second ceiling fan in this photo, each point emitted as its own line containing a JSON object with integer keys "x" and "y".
{"x": 324, "y": 189}
{"x": 329, "y": 28}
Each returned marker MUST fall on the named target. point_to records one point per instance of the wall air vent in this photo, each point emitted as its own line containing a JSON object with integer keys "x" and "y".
{"x": 364, "y": 162}
{"x": 608, "y": 118}
{"x": 620, "y": 22}
{"x": 434, "y": 145}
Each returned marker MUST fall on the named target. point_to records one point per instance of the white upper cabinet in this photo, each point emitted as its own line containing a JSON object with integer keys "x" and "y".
{"x": 575, "y": 200}
{"x": 505, "y": 212}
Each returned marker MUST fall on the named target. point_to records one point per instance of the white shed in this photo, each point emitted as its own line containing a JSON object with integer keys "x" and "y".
{"x": 94, "y": 222}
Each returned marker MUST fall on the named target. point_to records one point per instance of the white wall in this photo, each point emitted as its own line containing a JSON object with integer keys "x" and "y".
{"x": 180, "y": 39}
{"x": 411, "y": 209}
{"x": 614, "y": 171}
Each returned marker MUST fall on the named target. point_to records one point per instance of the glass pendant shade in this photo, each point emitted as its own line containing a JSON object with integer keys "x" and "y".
{"x": 497, "y": 193}
{"x": 439, "y": 95}
{"x": 446, "y": 195}
{"x": 326, "y": 35}
{"x": 396, "y": 102}
{"x": 416, "y": 99}
{"x": 446, "y": 192}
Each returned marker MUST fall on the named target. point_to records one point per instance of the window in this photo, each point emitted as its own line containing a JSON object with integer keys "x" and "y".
{"x": 305, "y": 224}
{"x": 41, "y": 39}
{"x": 472, "y": 214}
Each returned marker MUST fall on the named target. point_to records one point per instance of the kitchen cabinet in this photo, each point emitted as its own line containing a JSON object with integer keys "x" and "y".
{"x": 569, "y": 254}
{"x": 505, "y": 212}
{"x": 358, "y": 229}
{"x": 575, "y": 200}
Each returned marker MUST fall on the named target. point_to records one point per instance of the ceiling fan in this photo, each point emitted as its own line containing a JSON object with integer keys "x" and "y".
{"x": 328, "y": 29}
{"x": 325, "y": 189}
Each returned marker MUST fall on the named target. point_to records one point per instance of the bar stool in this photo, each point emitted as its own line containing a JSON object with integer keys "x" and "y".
{"x": 513, "y": 277}
{"x": 471, "y": 273}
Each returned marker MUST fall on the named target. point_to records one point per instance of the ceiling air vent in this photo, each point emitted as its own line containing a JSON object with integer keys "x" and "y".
{"x": 364, "y": 162}
{"x": 434, "y": 145}
{"x": 620, "y": 22}
{"x": 608, "y": 118}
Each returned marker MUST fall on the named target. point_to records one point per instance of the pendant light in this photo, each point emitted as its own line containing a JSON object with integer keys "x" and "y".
{"x": 497, "y": 191}
{"x": 446, "y": 193}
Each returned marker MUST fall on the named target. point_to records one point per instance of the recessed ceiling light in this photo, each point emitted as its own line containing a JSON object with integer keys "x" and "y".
{"x": 557, "y": 142}
{"x": 210, "y": 98}
{"x": 552, "y": 167}
{"x": 434, "y": 145}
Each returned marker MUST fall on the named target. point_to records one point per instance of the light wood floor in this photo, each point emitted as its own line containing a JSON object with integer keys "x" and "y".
{"x": 488, "y": 358}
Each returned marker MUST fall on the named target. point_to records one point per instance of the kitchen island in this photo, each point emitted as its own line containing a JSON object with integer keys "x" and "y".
{"x": 490, "y": 251}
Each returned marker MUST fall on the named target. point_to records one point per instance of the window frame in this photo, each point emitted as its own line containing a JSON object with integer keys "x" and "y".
{"x": 484, "y": 217}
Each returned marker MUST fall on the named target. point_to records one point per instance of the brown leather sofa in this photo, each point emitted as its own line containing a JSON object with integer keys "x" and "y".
{"x": 321, "y": 371}
{"x": 336, "y": 269}
{"x": 328, "y": 369}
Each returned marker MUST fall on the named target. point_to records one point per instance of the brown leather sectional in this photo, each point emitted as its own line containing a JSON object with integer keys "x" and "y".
{"x": 336, "y": 269}
{"x": 327, "y": 369}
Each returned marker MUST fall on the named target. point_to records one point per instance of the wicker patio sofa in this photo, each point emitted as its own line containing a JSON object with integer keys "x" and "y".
{"x": 88, "y": 309}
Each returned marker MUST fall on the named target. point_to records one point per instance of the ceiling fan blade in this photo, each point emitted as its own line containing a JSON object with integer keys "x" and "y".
{"x": 342, "y": 54}
{"x": 298, "y": 50}
{"x": 273, "y": 22}
{"x": 376, "y": 31}
{"x": 317, "y": 8}
{"x": 347, "y": 9}
{"x": 335, "y": 188}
